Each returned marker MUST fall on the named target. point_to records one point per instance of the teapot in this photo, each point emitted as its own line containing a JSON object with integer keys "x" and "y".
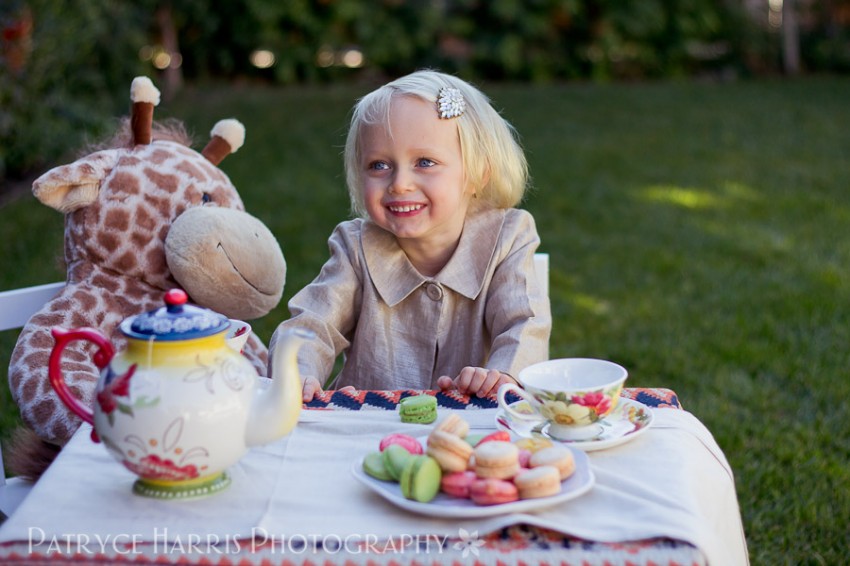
{"x": 179, "y": 405}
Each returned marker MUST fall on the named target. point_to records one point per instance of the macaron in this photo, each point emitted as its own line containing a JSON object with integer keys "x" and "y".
{"x": 453, "y": 424}
{"x": 533, "y": 444}
{"x": 496, "y": 459}
{"x": 457, "y": 484}
{"x": 418, "y": 409}
{"x": 492, "y": 491}
{"x": 395, "y": 457}
{"x": 451, "y": 451}
{"x": 420, "y": 479}
{"x": 524, "y": 458}
{"x": 558, "y": 456}
{"x": 543, "y": 481}
{"x": 499, "y": 435}
{"x": 373, "y": 465}
{"x": 406, "y": 441}
{"x": 474, "y": 439}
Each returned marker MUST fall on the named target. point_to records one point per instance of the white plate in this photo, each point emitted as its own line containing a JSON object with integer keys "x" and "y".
{"x": 452, "y": 507}
{"x": 629, "y": 420}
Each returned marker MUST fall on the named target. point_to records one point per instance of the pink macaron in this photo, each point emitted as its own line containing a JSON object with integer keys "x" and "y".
{"x": 524, "y": 458}
{"x": 457, "y": 484}
{"x": 492, "y": 491}
{"x": 404, "y": 440}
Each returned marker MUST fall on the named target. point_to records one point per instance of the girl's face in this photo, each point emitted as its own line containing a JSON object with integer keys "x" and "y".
{"x": 413, "y": 181}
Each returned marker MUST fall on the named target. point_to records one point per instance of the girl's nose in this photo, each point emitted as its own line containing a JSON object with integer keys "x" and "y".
{"x": 402, "y": 182}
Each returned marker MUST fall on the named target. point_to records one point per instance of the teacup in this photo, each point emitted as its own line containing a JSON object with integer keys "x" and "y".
{"x": 238, "y": 334}
{"x": 571, "y": 394}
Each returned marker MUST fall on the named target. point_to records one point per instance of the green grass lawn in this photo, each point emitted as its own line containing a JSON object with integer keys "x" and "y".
{"x": 698, "y": 235}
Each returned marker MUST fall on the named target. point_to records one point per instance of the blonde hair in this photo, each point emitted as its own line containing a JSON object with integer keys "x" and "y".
{"x": 493, "y": 161}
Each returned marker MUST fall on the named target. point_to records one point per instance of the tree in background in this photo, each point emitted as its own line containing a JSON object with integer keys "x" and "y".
{"x": 63, "y": 68}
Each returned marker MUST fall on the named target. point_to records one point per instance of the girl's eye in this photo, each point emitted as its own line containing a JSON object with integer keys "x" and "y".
{"x": 424, "y": 162}
{"x": 379, "y": 166}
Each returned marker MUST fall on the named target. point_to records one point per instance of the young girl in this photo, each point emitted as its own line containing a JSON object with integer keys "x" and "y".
{"x": 434, "y": 284}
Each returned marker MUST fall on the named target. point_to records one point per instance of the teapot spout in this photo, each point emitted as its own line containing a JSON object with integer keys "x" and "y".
{"x": 275, "y": 409}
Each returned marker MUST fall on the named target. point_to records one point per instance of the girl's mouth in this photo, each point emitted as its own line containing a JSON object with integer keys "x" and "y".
{"x": 405, "y": 208}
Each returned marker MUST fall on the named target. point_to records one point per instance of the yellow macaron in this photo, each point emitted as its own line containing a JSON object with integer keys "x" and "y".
{"x": 449, "y": 450}
{"x": 497, "y": 459}
{"x": 558, "y": 456}
{"x": 543, "y": 481}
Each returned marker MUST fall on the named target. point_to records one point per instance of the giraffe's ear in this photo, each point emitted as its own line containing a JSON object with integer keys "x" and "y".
{"x": 75, "y": 185}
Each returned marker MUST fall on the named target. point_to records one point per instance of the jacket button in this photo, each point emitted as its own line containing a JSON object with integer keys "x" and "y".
{"x": 434, "y": 291}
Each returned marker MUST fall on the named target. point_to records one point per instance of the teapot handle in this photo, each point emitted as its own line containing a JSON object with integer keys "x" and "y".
{"x": 101, "y": 359}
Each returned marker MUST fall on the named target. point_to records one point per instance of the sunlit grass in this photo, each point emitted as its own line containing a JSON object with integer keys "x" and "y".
{"x": 697, "y": 235}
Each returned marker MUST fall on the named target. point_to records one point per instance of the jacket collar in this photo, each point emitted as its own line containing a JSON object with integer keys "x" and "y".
{"x": 395, "y": 277}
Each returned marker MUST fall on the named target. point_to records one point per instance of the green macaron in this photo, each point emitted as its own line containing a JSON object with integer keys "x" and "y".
{"x": 418, "y": 409}
{"x": 373, "y": 465}
{"x": 394, "y": 458}
{"x": 420, "y": 479}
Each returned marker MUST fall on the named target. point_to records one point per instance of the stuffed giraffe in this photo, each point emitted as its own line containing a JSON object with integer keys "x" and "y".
{"x": 139, "y": 220}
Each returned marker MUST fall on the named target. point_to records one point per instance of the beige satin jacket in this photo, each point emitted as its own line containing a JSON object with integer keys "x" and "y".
{"x": 399, "y": 329}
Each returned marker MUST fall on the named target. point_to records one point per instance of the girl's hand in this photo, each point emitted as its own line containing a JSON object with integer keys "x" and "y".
{"x": 476, "y": 381}
{"x": 312, "y": 387}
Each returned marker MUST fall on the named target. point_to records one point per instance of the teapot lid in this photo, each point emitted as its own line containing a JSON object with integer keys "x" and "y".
{"x": 177, "y": 320}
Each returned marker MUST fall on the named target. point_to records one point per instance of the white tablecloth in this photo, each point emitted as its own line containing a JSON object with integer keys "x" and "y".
{"x": 673, "y": 481}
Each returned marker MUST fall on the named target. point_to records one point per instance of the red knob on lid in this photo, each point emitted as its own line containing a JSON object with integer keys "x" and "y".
{"x": 176, "y": 297}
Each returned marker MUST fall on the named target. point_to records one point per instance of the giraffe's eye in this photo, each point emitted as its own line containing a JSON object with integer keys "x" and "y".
{"x": 206, "y": 198}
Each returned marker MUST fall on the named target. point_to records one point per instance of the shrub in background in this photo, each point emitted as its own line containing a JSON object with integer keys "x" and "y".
{"x": 64, "y": 71}
{"x": 64, "y": 66}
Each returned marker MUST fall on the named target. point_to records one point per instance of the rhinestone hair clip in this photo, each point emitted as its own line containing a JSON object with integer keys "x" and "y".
{"x": 450, "y": 103}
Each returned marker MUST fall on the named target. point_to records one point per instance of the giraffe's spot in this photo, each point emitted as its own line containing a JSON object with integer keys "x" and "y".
{"x": 155, "y": 261}
{"x": 108, "y": 240}
{"x": 124, "y": 182}
{"x": 79, "y": 319}
{"x": 191, "y": 170}
{"x": 117, "y": 219}
{"x": 85, "y": 300}
{"x": 108, "y": 284}
{"x": 159, "y": 156}
{"x": 126, "y": 262}
{"x": 140, "y": 239}
{"x": 60, "y": 305}
{"x": 44, "y": 408}
{"x": 163, "y": 181}
{"x": 28, "y": 391}
{"x": 42, "y": 340}
{"x": 145, "y": 220}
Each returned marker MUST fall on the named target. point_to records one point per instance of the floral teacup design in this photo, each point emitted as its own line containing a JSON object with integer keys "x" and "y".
{"x": 238, "y": 334}
{"x": 572, "y": 394}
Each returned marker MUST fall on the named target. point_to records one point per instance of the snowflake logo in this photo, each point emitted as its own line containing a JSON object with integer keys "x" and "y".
{"x": 469, "y": 542}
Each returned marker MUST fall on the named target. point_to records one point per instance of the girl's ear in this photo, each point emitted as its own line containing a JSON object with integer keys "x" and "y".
{"x": 485, "y": 180}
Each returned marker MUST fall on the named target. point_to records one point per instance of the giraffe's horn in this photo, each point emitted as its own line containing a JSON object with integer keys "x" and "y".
{"x": 144, "y": 97}
{"x": 226, "y": 137}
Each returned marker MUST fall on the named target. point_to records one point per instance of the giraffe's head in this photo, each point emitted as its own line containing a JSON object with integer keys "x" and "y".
{"x": 158, "y": 211}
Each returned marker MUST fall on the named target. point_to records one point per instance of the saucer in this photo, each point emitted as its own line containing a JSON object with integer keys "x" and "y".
{"x": 629, "y": 420}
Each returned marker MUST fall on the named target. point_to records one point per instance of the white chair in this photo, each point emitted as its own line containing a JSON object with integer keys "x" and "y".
{"x": 16, "y": 308}
{"x": 18, "y": 305}
{"x": 541, "y": 267}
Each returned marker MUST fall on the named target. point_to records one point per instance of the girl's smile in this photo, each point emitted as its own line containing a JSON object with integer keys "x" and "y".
{"x": 405, "y": 208}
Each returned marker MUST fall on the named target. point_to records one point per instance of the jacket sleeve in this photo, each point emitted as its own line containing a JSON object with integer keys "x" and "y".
{"x": 328, "y": 307}
{"x": 518, "y": 314}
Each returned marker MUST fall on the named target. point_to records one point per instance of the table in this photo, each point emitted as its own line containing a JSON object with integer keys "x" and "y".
{"x": 293, "y": 502}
